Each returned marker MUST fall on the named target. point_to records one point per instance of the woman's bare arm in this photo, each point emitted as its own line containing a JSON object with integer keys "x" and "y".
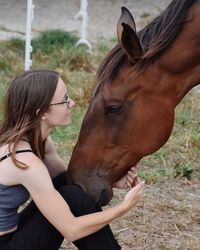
{"x": 52, "y": 161}
{"x": 52, "y": 205}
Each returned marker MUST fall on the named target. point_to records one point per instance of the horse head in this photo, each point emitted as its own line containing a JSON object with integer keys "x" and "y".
{"x": 131, "y": 113}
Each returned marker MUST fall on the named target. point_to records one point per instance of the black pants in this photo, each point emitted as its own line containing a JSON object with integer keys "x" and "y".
{"x": 36, "y": 233}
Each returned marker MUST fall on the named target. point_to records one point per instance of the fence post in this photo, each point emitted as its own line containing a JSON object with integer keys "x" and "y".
{"x": 28, "y": 47}
{"x": 84, "y": 14}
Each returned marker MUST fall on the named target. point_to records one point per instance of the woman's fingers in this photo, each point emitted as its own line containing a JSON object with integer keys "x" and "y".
{"x": 136, "y": 181}
{"x": 135, "y": 168}
{"x": 132, "y": 174}
{"x": 132, "y": 179}
{"x": 135, "y": 193}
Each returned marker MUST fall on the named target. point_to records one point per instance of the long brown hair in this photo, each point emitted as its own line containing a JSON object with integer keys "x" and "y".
{"x": 26, "y": 100}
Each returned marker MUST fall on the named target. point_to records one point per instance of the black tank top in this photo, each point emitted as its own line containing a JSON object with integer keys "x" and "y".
{"x": 11, "y": 197}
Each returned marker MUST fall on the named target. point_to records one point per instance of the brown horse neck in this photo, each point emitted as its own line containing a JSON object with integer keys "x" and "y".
{"x": 181, "y": 61}
{"x": 176, "y": 83}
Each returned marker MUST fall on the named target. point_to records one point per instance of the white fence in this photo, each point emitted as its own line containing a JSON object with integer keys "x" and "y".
{"x": 83, "y": 13}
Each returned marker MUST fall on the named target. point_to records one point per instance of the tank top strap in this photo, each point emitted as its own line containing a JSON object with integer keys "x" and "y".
{"x": 17, "y": 152}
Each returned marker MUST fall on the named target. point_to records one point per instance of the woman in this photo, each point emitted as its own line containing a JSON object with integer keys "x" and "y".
{"x": 36, "y": 102}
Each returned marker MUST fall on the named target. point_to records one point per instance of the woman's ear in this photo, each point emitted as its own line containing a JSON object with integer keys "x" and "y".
{"x": 43, "y": 117}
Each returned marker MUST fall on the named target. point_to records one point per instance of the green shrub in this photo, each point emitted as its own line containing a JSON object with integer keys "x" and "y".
{"x": 53, "y": 39}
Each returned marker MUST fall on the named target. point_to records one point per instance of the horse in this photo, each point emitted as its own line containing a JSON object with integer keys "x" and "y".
{"x": 138, "y": 86}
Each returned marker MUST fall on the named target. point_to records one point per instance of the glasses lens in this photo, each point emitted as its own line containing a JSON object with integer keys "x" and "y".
{"x": 67, "y": 100}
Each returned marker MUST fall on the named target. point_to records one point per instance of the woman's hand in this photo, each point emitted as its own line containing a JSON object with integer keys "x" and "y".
{"x": 134, "y": 195}
{"x": 129, "y": 180}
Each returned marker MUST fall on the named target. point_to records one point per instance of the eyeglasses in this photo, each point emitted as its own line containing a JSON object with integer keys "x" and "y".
{"x": 66, "y": 100}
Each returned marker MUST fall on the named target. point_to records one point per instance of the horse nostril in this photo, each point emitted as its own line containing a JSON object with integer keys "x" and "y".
{"x": 100, "y": 173}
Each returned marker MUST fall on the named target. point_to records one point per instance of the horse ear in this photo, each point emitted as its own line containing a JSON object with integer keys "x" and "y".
{"x": 131, "y": 43}
{"x": 127, "y": 18}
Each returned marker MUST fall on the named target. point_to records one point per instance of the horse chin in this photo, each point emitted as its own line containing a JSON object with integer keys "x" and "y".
{"x": 105, "y": 198}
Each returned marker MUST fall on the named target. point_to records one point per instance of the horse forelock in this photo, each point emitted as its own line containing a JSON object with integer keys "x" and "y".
{"x": 154, "y": 38}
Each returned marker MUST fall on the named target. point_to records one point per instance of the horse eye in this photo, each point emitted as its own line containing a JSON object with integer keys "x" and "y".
{"x": 113, "y": 109}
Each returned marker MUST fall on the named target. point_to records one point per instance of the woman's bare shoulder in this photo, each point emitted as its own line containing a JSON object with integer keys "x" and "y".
{"x": 10, "y": 174}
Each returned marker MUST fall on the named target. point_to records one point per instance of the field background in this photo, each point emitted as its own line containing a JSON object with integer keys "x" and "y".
{"x": 168, "y": 217}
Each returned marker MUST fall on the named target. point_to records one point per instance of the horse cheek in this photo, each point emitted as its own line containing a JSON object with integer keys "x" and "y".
{"x": 160, "y": 134}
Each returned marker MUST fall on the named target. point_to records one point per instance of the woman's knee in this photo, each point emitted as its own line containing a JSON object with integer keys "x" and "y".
{"x": 78, "y": 201}
{"x": 60, "y": 180}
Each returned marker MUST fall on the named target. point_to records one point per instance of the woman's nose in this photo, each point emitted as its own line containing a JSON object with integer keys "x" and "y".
{"x": 72, "y": 103}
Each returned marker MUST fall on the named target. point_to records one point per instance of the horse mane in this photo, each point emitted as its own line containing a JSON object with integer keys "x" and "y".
{"x": 154, "y": 38}
{"x": 163, "y": 30}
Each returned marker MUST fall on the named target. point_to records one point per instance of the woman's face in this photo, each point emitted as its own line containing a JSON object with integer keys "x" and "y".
{"x": 59, "y": 112}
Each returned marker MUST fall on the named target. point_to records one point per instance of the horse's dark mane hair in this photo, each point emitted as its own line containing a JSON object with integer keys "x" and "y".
{"x": 163, "y": 30}
{"x": 154, "y": 38}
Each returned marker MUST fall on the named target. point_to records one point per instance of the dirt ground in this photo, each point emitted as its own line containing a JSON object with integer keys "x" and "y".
{"x": 168, "y": 217}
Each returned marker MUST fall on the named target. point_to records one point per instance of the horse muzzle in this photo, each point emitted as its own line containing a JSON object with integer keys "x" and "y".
{"x": 98, "y": 189}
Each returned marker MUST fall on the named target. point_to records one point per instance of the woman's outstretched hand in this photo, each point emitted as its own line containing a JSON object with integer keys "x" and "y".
{"x": 134, "y": 195}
